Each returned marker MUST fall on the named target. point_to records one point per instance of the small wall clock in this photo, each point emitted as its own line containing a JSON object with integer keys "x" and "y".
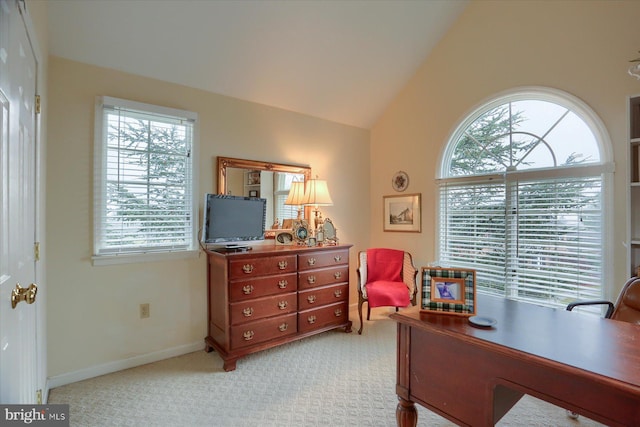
{"x": 400, "y": 181}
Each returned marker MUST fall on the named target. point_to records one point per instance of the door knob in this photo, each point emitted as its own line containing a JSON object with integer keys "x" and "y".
{"x": 23, "y": 294}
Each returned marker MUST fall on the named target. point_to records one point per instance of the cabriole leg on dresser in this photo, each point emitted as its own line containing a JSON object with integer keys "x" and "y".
{"x": 347, "y": 328}
{"x": 406, "y": 413}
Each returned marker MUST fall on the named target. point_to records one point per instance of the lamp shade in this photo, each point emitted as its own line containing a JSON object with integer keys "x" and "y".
{"x": 296, "y": 194}
{"x": 317, "y": 193}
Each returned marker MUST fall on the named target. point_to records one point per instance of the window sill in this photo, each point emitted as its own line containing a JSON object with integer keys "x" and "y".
{"x": 99, "y": 260}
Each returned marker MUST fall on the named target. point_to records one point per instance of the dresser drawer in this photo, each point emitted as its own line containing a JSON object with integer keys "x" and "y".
{"x": 251, "y": 288}
{"x": 255, "y": 309}
{"x": 326, "y": 276}
{"x": 262, "y": 266}
{"x": 334, "y": 314}
{"x": 313, "y": 260}
{"x": 252, "y": 333}
{"x": 317, "y": 297}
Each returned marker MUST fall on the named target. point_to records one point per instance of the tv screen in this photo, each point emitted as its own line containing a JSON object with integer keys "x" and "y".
{"x": 233, "y": 221}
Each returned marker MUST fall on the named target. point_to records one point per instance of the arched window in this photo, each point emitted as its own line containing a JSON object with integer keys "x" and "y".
{"x": 521, "y": 197}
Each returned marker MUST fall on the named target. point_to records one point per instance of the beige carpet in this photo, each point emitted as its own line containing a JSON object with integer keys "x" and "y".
{"x": 333, "y": 379}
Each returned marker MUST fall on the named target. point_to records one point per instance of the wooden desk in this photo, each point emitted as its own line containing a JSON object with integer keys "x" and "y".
{"x": 473, "y": 376}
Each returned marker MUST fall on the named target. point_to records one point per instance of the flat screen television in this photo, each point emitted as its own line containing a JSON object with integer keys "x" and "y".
{"x": 233, "y": 222}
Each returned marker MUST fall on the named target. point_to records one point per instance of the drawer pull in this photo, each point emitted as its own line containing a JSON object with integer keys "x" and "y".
{"x": 247, "y": 268}
{"x": 337, "y": 274}
{"x": 247, "y": 289}
{"x": 338, "y": 312}
{"x": 248, "y": 335}
{"x": 311, "y": 261}
{"x": 311, "y": 299}
{"x": 282, "y": 284}
{"x": 311, "y": 320}
{"x": 283, "y": 327}
{"x": 282, "y": 305}
{"x": 311, "y": 279}
{"x": 282, "y": 265}
{"x": 248, "y": 312}
{"x": 337, "y": 258}
{"x": 337, "y": 293}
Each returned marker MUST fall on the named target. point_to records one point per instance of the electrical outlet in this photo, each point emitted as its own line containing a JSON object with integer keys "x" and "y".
{"x": 144, "y": 311}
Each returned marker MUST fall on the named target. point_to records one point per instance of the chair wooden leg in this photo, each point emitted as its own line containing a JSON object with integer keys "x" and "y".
{"x": 368, "y": 311}
{"x": 397, "y": 309}
{"x": 360, "y": 302}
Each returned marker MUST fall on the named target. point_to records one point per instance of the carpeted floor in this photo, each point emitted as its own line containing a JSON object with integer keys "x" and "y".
{"x": 333, "y": 379}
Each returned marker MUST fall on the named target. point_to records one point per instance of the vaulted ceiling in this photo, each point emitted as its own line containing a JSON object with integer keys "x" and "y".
{"x": 338, "y": 60}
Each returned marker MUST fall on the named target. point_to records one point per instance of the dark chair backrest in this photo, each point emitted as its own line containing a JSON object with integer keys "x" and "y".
{"x": 628, "y": 303}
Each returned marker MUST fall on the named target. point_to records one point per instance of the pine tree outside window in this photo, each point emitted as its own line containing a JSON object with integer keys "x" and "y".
{"x": 523, "y": 198}
{"x": 144, "y": 202}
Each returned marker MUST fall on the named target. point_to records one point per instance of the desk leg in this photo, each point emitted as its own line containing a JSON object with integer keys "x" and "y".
{"x": 406, "y": 414}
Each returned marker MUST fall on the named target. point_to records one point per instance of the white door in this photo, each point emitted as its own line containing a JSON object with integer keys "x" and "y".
{"x": 18, "y": 358}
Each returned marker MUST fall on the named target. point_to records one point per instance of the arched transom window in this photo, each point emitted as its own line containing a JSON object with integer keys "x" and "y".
{"x": 521, "y": 197}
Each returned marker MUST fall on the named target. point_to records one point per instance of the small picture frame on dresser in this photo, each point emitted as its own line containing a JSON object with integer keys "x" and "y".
{"x": 311, "y": 241}
{"x": 284, "y": 238}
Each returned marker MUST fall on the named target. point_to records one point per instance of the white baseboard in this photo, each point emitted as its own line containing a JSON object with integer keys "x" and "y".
{"x": 119, "y": 365}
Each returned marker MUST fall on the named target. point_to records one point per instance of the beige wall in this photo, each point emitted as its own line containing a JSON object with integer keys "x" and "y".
{"x": 93, "y": 315}
{"x": 581, "y": 47}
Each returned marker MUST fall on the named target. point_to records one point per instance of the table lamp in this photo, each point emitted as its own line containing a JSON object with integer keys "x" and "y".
{"x": 317, "y": 194}
{"x": 296, "y": 196}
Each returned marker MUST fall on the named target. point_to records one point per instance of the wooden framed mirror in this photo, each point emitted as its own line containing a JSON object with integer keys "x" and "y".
{"x": 254, "y": 178}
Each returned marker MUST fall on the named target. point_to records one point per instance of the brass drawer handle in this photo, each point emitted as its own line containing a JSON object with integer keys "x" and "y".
{"x": 247, "y": 289}
{"x": 311, "y": 261}
{"x": 337, "y": 274}
{"x": 337, "y": 293}
{"x": 283, "y": 327}
{"x": 337, "y": 258}
{"x": 311, "y": 299}
{"x": 247, "y": 268}
{"x": 248, "y": 312}
{"x": 338, "y": 312}
{"x": 282, "y": 284}
{"x": 311, "y": 320}
{"x": 282, "y": 265}
{"x": 248, "y": 335}
{"x": 282, "y": 305}
{"x": 311, "y": 279}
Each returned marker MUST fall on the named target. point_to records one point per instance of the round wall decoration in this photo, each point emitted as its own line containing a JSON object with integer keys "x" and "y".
{"x": 400, "y": 181}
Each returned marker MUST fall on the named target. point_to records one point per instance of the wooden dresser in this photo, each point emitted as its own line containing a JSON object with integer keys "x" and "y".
{"x": 272, "y": 295}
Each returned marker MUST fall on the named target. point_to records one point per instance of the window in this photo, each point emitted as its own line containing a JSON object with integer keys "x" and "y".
{"x": 282, "y": 185}
{"x": 144, "y": 183}
{"x": 522, "y": 198}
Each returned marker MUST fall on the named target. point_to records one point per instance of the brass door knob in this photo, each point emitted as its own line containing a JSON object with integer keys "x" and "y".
{"x": 27, "y": 295}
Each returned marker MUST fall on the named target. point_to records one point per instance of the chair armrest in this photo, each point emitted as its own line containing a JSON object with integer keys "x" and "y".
{"x": 608, "y": 314}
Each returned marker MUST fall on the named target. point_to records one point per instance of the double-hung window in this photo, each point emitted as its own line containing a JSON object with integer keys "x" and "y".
{"x": 144, "y": 204}
{"x": 522, "y": 198}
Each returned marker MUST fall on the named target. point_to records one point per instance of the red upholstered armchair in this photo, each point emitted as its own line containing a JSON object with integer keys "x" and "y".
{"x": 386, "y": 278}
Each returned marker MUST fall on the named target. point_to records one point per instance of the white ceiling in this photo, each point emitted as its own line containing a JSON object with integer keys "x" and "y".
{"x": 338, "y": 60}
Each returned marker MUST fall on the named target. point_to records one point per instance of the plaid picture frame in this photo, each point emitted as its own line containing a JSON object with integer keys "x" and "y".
{"x": 449, "y": 291}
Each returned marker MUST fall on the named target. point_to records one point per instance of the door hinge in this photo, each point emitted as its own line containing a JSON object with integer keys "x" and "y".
{"x": 36, "y": 251}
{"x": 37, "y": 104}
{"x": 39, "y": 397}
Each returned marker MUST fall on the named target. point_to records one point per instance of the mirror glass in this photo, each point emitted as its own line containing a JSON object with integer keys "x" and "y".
{"x": 270, "y": 181}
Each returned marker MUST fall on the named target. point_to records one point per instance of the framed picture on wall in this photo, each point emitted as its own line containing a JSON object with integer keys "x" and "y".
{"x": 402, "y": 213}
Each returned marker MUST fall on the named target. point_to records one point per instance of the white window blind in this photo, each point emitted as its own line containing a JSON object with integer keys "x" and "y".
{"x": 144, "y": 198}
{"x": 522, "y": 183}
{"x": 282, "y": 186}
{"x": 538, "y": 241}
